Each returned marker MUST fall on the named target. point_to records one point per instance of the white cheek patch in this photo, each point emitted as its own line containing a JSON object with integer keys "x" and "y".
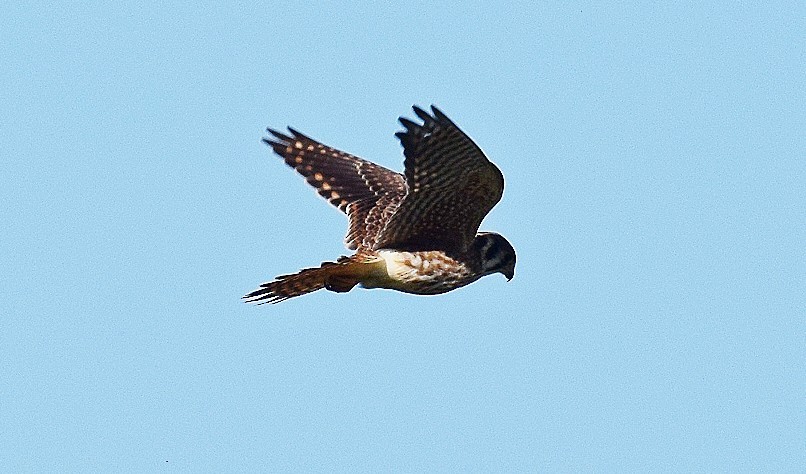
{"x": 494, "y": 263}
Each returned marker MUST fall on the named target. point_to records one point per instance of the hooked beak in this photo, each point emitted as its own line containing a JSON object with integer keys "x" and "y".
{"x": 509, "y": 273}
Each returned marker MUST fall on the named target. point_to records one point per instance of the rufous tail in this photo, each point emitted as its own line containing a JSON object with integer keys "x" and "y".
{"x": 338, "y": 276}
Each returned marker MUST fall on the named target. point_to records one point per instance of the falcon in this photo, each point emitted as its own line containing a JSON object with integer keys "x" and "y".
{"x": 415, "y": 232}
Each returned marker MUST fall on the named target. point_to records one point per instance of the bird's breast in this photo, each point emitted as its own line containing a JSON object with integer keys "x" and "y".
{"x": 426, "y": 272}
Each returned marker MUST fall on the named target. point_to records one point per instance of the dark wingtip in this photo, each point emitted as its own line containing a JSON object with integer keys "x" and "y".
{"x": 408, "y": 124}
{"x": 298, "y": 135}
{"x": 278, "y": 145}
{"x": 440, "y": 116}
{"x": 422, "y": 114}
{"x": 278, "y": 134}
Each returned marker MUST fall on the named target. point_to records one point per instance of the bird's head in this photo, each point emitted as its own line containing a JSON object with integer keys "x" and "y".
{"x": 497, "y": 254}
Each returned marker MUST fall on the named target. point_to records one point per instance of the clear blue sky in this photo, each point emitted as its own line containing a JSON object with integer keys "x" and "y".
{"x": 655, "y": 166}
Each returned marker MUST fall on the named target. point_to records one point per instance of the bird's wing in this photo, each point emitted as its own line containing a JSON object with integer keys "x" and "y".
{"x": 451, "y": 187}
{"x": 359, "y": 188}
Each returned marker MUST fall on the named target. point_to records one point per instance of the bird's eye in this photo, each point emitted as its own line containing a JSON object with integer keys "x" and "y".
{"x": 491, "y": 251}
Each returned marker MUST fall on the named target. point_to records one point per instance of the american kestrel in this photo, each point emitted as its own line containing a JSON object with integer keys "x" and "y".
{"x": 415, "y": 232}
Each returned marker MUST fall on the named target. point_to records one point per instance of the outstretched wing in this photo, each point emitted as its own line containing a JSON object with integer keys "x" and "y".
{"x": 366, "y": 192}
{"x": 451, "y": 187}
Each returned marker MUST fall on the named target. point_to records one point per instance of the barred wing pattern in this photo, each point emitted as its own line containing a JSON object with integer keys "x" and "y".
{"x": 414, "y": 232}
{"x": 366, "y": 192}
{"x": 451, "y": 187}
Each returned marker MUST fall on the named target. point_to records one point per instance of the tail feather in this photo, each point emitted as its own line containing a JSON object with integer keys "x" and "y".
{"x": 336, "y": 276}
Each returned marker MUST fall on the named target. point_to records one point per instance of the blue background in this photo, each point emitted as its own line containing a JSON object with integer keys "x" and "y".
{"x": 654, "y": 158}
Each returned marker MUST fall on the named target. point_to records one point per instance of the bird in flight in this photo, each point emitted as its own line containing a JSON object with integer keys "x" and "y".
{"x": 415, "y": 232}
